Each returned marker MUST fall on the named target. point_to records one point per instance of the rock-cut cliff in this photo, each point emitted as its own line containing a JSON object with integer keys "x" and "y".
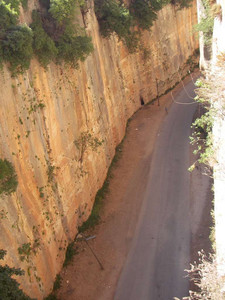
{"x": 59, "y": 128}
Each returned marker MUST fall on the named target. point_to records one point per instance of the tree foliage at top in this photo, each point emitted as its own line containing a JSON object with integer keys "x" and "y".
{"x": 126, "y": 22}
{"x": 8, "y": 16}
{"x": 52, "y": 36}
{"x": 144, "y": 12}
{"x": 114, "y": 16}
{"x": 44, "y": 47}
{"x": 62, "y": 10}
{"x": 15, "y": 40}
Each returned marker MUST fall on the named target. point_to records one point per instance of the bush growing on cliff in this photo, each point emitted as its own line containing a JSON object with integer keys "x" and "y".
{"x": 62, "y": 10}
{"x": 16, "y": 47}
{"x": 52, "y": 36}
{"x": 209, "y": 87}
{"x": 144, "y": 12}
{"x": 8, "y": 177}
{"x": 8, "y": 16}
{"x": 72, "y": 48}
{"x": 206, "y": 27}
{"x": 206, "y": 23}
{"x": 9, "y": 287}
{"x": 115, "y": 17}
{"x": 14, "y": 5}
{"x": 44, "y": 47}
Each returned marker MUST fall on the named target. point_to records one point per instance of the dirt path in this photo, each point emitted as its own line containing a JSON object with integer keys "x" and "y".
{"x": 83, "y": 279}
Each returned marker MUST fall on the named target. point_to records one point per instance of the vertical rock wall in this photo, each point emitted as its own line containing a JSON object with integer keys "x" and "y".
{"x": 59, "y": 127}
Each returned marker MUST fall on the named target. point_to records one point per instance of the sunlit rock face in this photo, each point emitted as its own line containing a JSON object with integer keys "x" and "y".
{"x": 59, "y": 127}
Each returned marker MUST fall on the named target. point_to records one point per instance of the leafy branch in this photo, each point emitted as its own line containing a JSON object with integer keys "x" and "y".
{"x": 85, "y": 141}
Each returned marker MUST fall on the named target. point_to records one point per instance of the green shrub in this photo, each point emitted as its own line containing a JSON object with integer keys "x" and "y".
{"x": 144, "y": 14}
{"x": 131, "y": 40}
{"x": 25, "y": 251}
{"x": 72, "y": 48}
{"x": 94, "y": 217}
{"x": 8, "y": 177}
{"x": 206, "y": 27}
{"x": 55, "y": 39}
{"x": 206, "y": 23}
{"x": 57, "y": 283}
{"x": 9, "y": 287}
{"x": 62, "y": 10}
{"x": 14, "y": 4}
{"x": 65, "y": 43}
{"x": 17, "y": 47}
{"x": 70, "y": 252}
{"x": 8, "y": 17}
{"x": 44, "y": 47}
{"x": 115, "y": 17}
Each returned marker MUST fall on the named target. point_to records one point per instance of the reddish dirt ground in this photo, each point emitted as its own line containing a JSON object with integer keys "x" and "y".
{"x": 83, "y": 279}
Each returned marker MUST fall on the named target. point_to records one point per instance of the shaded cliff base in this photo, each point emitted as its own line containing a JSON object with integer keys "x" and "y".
{"x": 83, "y": 278}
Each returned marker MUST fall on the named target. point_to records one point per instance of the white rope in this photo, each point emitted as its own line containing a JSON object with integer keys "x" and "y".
{"x": 185, "y": 88}
{"x": 189, "y": 103}
{"x": 182, "y": 102}
{"x": 191, "y": 77}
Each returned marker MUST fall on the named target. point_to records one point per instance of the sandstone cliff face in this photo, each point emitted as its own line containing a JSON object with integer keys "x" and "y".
{"x": 42, "y": 114}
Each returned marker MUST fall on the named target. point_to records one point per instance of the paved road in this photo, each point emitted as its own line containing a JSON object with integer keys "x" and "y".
{"x": 160, "y": 252}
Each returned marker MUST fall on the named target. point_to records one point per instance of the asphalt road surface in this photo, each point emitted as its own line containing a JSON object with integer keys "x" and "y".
{"x": 160, "y": 251}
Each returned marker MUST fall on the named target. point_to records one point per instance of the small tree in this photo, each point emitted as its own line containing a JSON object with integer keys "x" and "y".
{"x": 8, "y": 177}
{"x": 72, "y": 48}
{"x": 44, "y": 47}
{"x": 144, "y": 12}
{"x": 62, "y": 10}
{"x": 9, "y": 287}
{"x": 8, "y": 16}
{"x": 114, "y": 16}
{"x": 17, "y": 47}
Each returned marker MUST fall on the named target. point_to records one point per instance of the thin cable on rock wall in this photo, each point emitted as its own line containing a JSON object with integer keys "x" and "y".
{"x": 181, "y": 102}
{"x": 185, "y": 92}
